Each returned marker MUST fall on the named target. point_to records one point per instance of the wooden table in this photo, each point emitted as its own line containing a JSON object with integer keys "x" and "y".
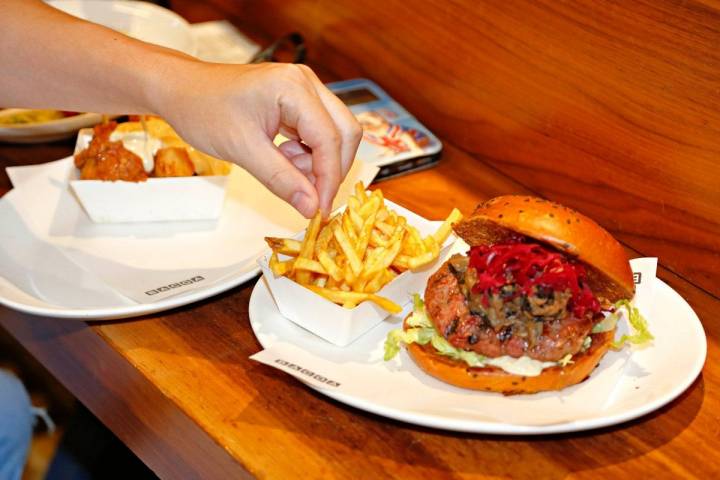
{"x": 519, "y": 91}
{"x": 179, "y": 390}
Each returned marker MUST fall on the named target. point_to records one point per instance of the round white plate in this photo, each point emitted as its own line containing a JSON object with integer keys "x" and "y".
{"x": 54, "y": 261}
{"x": 45, "y": 131}
{"x": 106, "y": 305}
{"x": 626, "y": 384}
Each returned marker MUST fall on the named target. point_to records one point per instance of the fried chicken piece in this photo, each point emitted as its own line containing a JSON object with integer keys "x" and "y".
{"x": 106, "y": 160}
{"x": 173, "y": 162}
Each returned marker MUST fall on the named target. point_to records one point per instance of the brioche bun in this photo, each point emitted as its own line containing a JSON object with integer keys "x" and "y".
{"x": 570, "y": 232}
{"x": 492, "y": 379}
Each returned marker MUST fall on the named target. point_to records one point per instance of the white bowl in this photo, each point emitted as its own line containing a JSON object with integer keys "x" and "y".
{"x": 154, "y": 200}
{"x": 339, "y": 325}
{"x": 45, "y": 131}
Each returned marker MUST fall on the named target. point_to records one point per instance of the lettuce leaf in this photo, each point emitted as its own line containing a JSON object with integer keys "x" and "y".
{"x": 422, "y": 331}
{"x": 444, "y": 347}
{"x": 607, "y": 324}
{"x": 637, "y": 322}
{"x": 412, "y": 335}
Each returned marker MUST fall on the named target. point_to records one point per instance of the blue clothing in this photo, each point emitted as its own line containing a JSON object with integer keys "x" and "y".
{"x": 16, "y": 424}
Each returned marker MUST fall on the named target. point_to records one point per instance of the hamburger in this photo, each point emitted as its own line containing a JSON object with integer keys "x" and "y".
{"x": 533, "y": 305}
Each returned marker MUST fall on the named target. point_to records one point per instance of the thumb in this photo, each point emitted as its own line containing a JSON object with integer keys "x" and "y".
{"x": 268, "y": 164}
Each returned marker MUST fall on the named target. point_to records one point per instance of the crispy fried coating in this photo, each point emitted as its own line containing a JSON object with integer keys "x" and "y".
{"x": 106, "y": 160}
{"x": 173, "y": 162}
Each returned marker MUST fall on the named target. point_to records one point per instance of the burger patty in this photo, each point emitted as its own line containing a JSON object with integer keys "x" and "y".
{"x": 537, "y": 325}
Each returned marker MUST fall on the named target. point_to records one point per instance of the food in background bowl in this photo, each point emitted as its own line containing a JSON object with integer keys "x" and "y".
{"x": 16, "y": 116}
{"x": 137, "y": 150}
{"x": 142, "y": 171}
{"x": 531, "y": 307}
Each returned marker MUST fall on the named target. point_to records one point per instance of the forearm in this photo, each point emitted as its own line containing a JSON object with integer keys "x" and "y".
{"x": 51, "y": 60}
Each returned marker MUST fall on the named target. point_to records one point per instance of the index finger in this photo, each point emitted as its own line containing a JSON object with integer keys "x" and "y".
{"x": 307, "y": 114}
{"x": 345, "y": 122}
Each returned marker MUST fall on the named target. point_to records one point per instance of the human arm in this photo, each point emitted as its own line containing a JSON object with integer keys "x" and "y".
{"x": 51, "y": 60}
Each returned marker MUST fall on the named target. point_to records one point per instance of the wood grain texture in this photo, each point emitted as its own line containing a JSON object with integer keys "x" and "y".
{"x": 166, "y": 439}
{"x": 605, "y": 106}
{"x": 611, "y": 107}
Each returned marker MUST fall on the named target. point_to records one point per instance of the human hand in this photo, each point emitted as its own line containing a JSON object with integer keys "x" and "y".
{"x": 233, "y": 112}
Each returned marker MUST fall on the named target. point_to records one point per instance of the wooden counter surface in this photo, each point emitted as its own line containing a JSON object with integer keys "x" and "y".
{"x": 178, "y": 387}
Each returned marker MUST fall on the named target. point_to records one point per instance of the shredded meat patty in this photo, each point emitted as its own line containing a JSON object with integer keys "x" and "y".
{"x": 537, "y": 325}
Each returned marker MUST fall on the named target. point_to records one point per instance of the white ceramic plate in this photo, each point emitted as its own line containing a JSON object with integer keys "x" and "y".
{"x": 103, "y": 303}
{"x": 45, "y": 131}
{"x": 54, "y": 261}
{"x": 626, "y": 384}
{"x": 141, "y": 20}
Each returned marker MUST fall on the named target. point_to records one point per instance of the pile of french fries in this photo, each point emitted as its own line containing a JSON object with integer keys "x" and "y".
{"x": 355, "y": 253}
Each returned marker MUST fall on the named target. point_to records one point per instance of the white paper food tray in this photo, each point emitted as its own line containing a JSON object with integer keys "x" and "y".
{"x": 339, "y": 325}
{"x": 155, "y": 200}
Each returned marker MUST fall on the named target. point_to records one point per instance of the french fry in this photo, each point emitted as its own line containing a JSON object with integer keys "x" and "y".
{"x": 353, "y": 203}
{"x": 364, "y": 237}
{"x": 360, "y": 193}
{"x": 307, "y": 247}
{"x": 421, "y": 260}
{"x": 348, "y": 275}
{"x": 302, "y": 263}
{"x": 330, "y": 266}
{"x": 384, "y": 261}
{"x": 323, "y": 239}
{"x": 385, "y": 304}
{"x": 308, "y": 243}
{"x": 356, "y": 297}
{"x": 284, "y": 246}
{"x": 375, "y": 282}
{"x": 415, "y": 238}
{"x": 373, "y": 204}
{"x": 349, "y": 228}
{"x": 376, "y": 239}
{"x": 339, "y": 296}
{"x": 359, "y": 284}
{"x": 385, "y": 228}
{"x": 355, "y": 218}
{"x": 382, "y": 214}
{"x": 443, "y": 232}
{"x": 348, "y": 250}
{"x": 356, "y": 253}
{"x": 402, "y": 262}
{"x": 280, "y": 268}
{"x": 332, "y": 283}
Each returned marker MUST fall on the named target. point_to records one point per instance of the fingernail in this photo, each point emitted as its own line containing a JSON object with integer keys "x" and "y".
{"x": 303, "y": 204}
